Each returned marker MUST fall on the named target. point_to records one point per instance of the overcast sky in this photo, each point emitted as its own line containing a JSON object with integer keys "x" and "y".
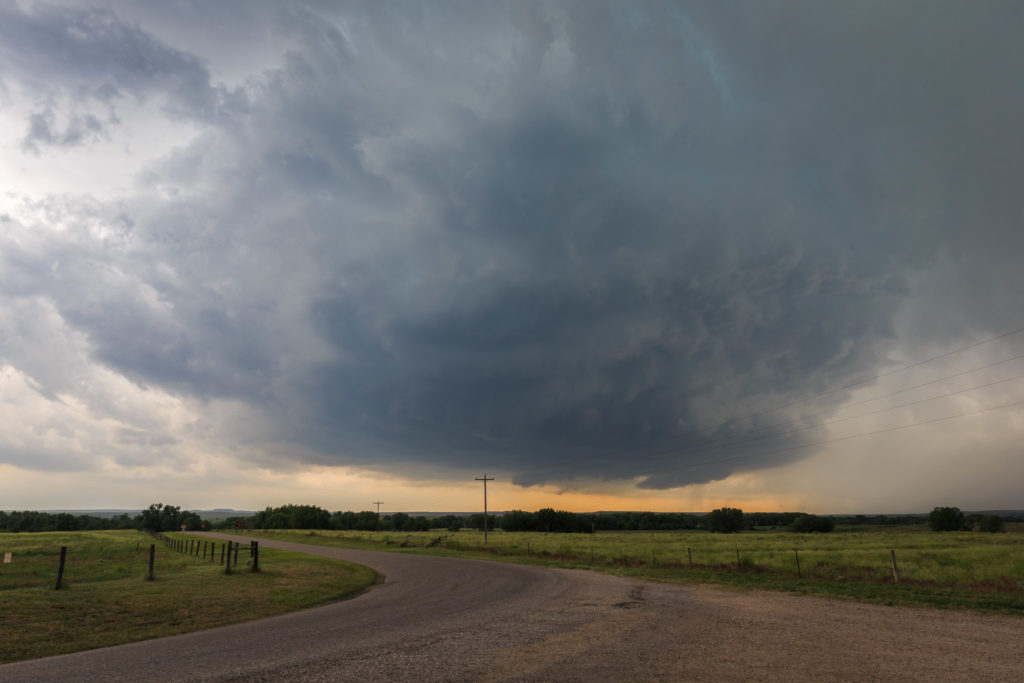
{"x": 617, "y": 255}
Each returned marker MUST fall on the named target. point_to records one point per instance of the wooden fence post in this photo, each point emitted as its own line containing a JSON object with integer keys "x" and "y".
{"x": 256, "y": 556}
{"x": 222, "y": 553}
{"x": 798, "y": 572}
{"x": 236, "y": 553}
{"x": 737, "y": 558}
{"x": 60, "y": 567}
{"x": 152, "y": 553}
{"x": 689, "y": 555}
{"x": 895, "y": 571}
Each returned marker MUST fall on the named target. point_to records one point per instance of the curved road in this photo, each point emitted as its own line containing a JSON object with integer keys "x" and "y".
{"x": 449, "y": 619}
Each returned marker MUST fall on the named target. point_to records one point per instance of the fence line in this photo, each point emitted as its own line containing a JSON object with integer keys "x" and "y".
{"x": 743, "y": 561}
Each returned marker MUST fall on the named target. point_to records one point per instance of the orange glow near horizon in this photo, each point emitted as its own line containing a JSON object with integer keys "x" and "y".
{"x": 340, "y": 489}
{"x": 216, "y": 484}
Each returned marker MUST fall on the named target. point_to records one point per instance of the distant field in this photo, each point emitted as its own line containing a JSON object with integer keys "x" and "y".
{"x": 105, "y": 599}
{"x": 956, "y": 569}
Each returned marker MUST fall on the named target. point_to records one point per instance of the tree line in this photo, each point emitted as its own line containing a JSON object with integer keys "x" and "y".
{"x": 546, "y": 520}
{"x": 28, "y": 521}
{"x": 313, "y": 517}
{"x": 159, "y": 517}
{"x": 953, "y": 519}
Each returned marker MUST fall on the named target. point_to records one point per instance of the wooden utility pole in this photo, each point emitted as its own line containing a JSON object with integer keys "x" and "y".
{"x": 485, "y": 479}
{"x": 378, "y": 504}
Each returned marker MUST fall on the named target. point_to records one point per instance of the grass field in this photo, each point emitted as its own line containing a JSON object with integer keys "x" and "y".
{"x": 105, "y": 599}
{"x": 950, "y": 569}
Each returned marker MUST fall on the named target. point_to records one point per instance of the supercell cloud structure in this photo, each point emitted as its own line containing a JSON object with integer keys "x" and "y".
{"x": 557, "y": 240}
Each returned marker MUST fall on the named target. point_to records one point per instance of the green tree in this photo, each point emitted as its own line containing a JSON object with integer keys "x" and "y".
{"x": 308, "y": 517}
{"x": 725, "y": 520}
{"x": 150, "y": 519}
{"x": 992, "y": 524}
{"x": 396, "y": 521}
{"x": 343, "y": 520}
{"x": 160, "y": 517}
{"x": 191, "y": 521}
{"x": 66, "y": 522}
{"x": 476, "y": 521}
{"x": 365, "y": 521}
{"x": 292, "y": 517}
{"x": 418, "y": 523}
{"x": 517, "y": 520}
{"x": 946, "y": 519}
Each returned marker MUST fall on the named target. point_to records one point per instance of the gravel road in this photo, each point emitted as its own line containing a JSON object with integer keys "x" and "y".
{"x": 447, "y": 619}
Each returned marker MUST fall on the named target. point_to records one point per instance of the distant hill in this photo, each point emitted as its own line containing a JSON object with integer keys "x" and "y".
{"x": 1001, "y": 513}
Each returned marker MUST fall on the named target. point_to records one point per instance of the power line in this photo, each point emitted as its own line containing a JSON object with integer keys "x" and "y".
{"x": 916, "y": 386}
{"x": 876, "y": 398}
{"x": 742, "y": 441}
{"x": 851, "y": 436}
{"x": 871, "y": 412}
{"x": 873, "y": 378}
{"x": 747, "y": 438}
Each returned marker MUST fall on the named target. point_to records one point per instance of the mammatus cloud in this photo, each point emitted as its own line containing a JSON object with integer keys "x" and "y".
{"x": 572, "y": 240}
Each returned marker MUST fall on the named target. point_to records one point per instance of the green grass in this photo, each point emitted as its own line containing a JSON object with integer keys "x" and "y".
{"x": 953, "y": 569}
{"x": 105, "y": 598}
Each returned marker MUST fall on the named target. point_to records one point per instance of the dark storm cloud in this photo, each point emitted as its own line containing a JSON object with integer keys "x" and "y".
{"x": 583, "y": 239}
{"x": 97, "y": 60}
